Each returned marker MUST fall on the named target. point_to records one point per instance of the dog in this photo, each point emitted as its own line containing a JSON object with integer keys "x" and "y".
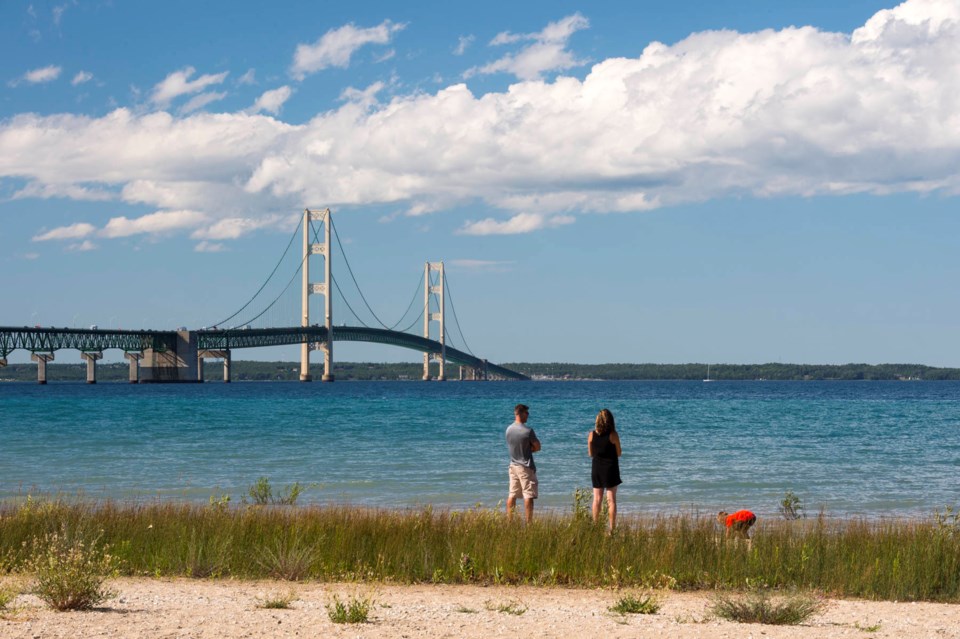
{"x": 738, "y": 524}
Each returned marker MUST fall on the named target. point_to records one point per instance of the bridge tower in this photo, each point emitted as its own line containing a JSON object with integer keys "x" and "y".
{"x": 438, "y": 290}
{"x": 317, "y": 288}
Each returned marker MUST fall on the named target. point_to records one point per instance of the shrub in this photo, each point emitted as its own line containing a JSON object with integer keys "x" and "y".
{"x": 71, "y": 570}
{"x": 261, "y": 493}
{"x": 354, "y": 610}
{"x": 759, "y": 607}
{"x": 791, "y": 506}
{"x": 637, "y": 605}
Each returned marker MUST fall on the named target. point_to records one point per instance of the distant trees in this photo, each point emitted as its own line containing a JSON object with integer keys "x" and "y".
{"x": 243, "y": 370}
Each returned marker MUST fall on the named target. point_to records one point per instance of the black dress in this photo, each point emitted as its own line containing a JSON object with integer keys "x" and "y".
{"x": 606, "y": 466}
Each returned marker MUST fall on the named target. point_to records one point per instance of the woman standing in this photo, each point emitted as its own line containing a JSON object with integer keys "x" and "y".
{"x": 603, "y": 444}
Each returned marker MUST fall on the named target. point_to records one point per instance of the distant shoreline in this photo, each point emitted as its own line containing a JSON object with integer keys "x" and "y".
{"x": 249, "y": 370}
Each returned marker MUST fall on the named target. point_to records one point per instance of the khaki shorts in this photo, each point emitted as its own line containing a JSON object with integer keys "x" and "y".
{"x": 523, "y": 482}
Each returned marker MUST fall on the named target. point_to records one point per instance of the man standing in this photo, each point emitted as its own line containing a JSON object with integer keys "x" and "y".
{"x": 522, "y": 442}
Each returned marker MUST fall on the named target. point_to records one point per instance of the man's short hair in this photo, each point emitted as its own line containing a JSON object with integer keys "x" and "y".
{"x": 521, "y": 408}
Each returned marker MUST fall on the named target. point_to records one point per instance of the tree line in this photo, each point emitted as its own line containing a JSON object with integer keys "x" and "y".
{"x": 246, "y": 370}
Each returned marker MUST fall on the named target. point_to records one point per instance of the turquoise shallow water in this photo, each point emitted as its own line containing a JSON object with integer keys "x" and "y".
{"x": 870, "y": 448}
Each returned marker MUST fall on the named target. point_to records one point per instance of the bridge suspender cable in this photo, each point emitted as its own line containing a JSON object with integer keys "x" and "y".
{"x": 455, "y": 320}
{"x": 272, "y": 273}
{"x": 277, "y": 298}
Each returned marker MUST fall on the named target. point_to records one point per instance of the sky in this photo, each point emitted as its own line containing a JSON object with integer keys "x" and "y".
{"x": 686, "y": 181}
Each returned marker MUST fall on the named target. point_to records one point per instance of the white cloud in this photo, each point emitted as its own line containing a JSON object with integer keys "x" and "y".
{"x": 83, "y": 246}
{"x": 31, "y": 256}
{"x": 272, "y": 101}
{"x": 81, "y": 77}
{"x": 72, "y": 232}
{"x": 197, "y": 102}
{"x": 233, "y": 228}
{"x": 520, "y": 223}
{"x": 159, "y": 222}
{"x": 178, "y": 83}
{"x": 337, "y": 46}
{"x": 250, "y": 77}
{"x": 548, "y": 51}
{"x": 77, "y": 192}
{"x": 209, "y": 247}
{"x": 462, "y": 43}
{"x": 719, "y": 114}
{"x": 42, "y": 75}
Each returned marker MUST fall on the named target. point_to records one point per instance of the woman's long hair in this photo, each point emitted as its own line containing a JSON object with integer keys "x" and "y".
{"x": 605, "y": 422}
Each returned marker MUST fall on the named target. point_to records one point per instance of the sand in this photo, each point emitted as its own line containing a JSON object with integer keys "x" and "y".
{"x": 197, "y": 608}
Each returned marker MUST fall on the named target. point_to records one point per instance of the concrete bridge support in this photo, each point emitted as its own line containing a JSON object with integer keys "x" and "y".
{"x": 41, "y": 359}
{"x": 91, "y": 358}
{"x": 134, "y": 359}
{"x": 224, "y": 355}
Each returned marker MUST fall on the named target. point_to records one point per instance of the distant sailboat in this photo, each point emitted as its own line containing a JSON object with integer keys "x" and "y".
{"x": 708, "y": 374}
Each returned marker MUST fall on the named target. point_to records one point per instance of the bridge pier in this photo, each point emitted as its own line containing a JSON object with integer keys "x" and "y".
{"x": 41, "y": 359}
{"x": 134, "y": 359}
{"x": 91, "y": 357}
{"x": 223, "y": 354}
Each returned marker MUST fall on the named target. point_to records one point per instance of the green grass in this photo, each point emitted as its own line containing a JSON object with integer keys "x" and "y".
{"x": 636, "y": 605}
{"x": 904, "y": 560}
{"x": 8, "y": 593}
{"x": 760, "y": 607}
{"x": 354, "y": 610}
{"x": 278, "y": 602}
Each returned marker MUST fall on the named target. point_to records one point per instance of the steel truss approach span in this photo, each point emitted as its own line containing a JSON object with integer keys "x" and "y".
{"x": 48, "y": 340}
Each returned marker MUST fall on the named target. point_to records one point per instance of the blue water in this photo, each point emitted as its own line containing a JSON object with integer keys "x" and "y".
{"x": 868, "y": 448}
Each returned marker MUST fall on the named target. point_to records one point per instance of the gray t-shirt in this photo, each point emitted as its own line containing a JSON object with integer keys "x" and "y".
{"x": 518, "y": 443}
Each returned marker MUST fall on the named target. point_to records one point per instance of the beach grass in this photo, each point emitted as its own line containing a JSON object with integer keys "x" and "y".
{"x": 904, "y": 560}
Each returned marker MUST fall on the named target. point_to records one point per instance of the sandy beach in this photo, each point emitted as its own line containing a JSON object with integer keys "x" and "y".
{"x": 147, "y": 608}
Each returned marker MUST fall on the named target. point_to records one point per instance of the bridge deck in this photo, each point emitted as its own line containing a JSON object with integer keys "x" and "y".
{"x": 94, "y": 340}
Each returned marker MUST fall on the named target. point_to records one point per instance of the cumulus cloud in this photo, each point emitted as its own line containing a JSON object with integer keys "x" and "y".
{"x": 179, "y": 83}
{"x": 42, "y": 75}
{"x": 791, "y": 112}
{"x": 520, "y": 223}
{"x": 197, "y": 102}
{"x": 272, "y": 101}
{"x": 159, "y": 222}
{"x": 77, "y": 192}
{"x": 232, "y": 228}
{"x": 71, "y": 232}
{"x": 547, "y": 51}
{"x": 337, "y": 46}
{"x": 81, "y": 77}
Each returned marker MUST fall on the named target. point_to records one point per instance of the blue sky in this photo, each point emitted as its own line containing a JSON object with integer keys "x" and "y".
{"x": 634, "y": 182}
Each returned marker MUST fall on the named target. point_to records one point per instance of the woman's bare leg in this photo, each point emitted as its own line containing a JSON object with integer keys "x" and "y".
{"x": 612, "y": 506}
{"x": 597, "y": 501}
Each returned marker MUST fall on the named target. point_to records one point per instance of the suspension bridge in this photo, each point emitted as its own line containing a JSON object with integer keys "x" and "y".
{"x": 178, "y": 355}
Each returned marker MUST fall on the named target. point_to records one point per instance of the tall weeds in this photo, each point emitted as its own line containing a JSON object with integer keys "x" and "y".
{"x": 888, "y": 559}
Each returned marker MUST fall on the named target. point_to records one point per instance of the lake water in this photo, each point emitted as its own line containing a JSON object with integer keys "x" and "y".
{"x": 867, "y": 448}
